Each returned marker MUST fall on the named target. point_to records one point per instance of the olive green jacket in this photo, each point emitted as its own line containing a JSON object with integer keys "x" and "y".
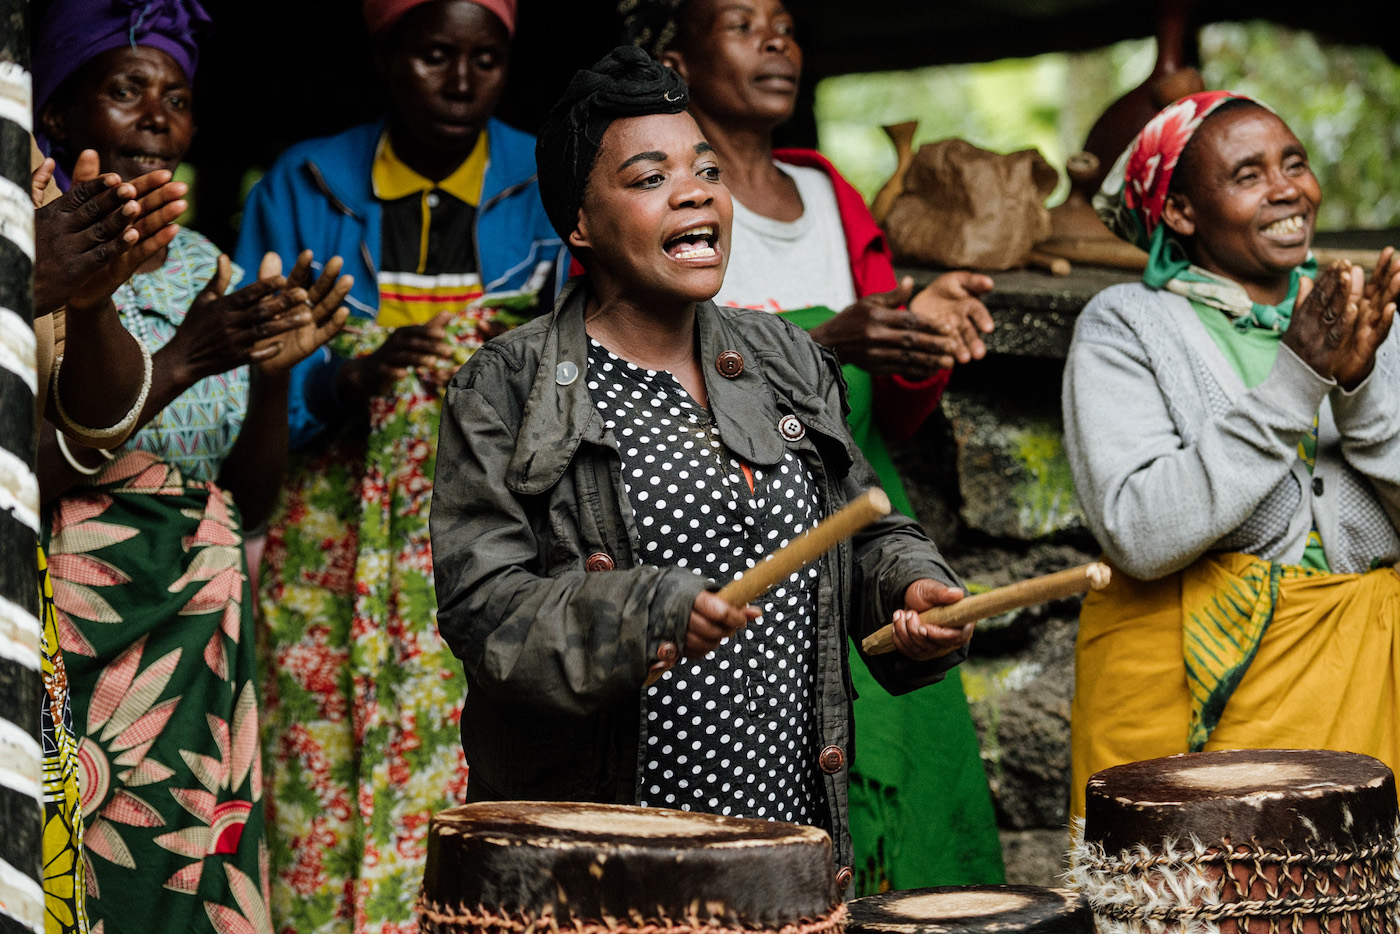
{"x": 528, "y": 489}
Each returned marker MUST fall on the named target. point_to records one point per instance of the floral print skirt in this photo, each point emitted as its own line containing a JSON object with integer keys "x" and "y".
{"x": 364, "y": 699}
{"x": 156, "y": 627}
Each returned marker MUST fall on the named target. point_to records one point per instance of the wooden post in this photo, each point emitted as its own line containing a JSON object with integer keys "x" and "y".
{"x": 21, "y": 688}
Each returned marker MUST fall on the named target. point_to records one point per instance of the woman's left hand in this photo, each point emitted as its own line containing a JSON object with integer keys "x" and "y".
{"x": 918, "y": 640}
{"x": 1375, "y": 312}
{"x": 950, "y": 308}
{"x": 324, "y": 296}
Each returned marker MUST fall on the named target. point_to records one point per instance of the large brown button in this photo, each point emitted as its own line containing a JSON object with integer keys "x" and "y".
{"x": 831, "y": 758}
{"x": 598, "y": 561}
{"x": 791, "y": 427}
{"x": 843, "y": 878}
{"x": 730, "y": 364}
{"x": 668, "y": 653}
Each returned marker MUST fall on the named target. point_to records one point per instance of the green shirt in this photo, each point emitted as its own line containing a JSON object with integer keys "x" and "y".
{"x": 1251, "y": 353}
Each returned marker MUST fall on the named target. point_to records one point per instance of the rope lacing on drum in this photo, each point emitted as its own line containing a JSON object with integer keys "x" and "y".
{"x": 1142, "y": 888}
{"x": 437, "y": 917}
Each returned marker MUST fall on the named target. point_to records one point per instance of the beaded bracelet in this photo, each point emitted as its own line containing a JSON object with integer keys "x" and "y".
{"x": 123, "y": 427}
{"x": 73, "y": 461}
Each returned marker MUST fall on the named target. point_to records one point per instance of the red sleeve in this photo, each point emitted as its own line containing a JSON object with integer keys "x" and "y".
{"x": 901, "y": 405}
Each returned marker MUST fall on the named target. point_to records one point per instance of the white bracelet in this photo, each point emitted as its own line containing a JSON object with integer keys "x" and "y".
{"x": 73, "y": 461}
{"x": 122, "y": 428}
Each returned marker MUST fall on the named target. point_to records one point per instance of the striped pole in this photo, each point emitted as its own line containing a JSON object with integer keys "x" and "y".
{"x": 21, "y": 802}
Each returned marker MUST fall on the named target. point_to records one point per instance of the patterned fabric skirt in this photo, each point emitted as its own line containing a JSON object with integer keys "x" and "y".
{"x": 1236, "y": 653}
{"x": 364, "y": 699}
{"x": 156, "y": 627}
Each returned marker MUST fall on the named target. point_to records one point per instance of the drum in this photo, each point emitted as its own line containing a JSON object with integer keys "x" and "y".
{"x": 1241, "y": 841}
{"x": 598, "y": 868}
{"x": 976, "y": 909}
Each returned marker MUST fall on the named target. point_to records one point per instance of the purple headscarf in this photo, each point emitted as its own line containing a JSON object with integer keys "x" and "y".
{"x": 73, "y": 32}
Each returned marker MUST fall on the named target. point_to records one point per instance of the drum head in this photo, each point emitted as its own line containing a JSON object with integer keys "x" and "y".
{"x": 984, "y": 909}
{"x": 592, "y": 862}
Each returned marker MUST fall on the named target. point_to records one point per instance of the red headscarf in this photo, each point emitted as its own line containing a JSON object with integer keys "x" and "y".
{"x": 381, "y": 15}
{"x": 1134, "y": 194}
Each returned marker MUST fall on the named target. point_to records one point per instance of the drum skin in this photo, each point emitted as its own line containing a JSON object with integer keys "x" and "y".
{"x": 977, "y": 909}
{"x": 622, "y": 867}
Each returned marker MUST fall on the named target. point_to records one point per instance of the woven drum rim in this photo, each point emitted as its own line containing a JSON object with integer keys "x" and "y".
{"x": 437, "y": 916}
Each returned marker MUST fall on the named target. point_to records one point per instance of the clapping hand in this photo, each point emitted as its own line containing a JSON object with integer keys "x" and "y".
{"x": 91, "y": 240}
{"x": 913, "y": 336}
{"x": 1341, "y": 320}
{"x": 323, "y": 297}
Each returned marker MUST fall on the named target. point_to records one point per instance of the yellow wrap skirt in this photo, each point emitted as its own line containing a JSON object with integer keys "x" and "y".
{"x": 1235, "y": 652}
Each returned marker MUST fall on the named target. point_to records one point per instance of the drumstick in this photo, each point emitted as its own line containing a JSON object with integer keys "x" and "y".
{"x": 1066, "y": 583}
{"x": 801, "y": 551}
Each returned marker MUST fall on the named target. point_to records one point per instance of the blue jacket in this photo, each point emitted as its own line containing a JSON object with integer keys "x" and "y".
{"x": 318, "y": 195}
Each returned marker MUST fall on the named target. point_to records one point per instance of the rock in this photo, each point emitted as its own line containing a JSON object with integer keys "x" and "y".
{"x": 1012, "y": 473}
{"x": 1035, "y": 857}
{"x": 1020, "y": 705}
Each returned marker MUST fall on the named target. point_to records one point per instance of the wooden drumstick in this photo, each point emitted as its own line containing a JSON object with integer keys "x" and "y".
{"x": 1066, "y": 583}
{"x": 800, "y": 552}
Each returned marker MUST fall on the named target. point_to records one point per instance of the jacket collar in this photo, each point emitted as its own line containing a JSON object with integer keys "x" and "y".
{"x": 558, "y": 417}
{"x": 344, "y": 170}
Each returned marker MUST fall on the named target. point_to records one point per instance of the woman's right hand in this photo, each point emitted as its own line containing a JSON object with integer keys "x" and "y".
{"x": 222, "y": 332}
{"x": 712, "y": 620}
{"x": 421, "y": 346}
{"x": 1340, "y": 321}
{"x": 898, "y": 333}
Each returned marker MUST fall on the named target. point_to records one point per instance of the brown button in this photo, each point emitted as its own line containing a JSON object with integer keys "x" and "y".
{"x": 843, "y": 878}
{"x": 668, "y": 652}
{"x": 730, "y": 364}
{"x": 598, "y": 561}
{"x": 791, "y": 427}
{"x": 831, "y": 758}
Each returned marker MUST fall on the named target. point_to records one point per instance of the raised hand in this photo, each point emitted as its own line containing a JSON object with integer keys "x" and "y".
{"x": 1323, "y": 328}
{"x": 950, "y": 308}
{"x": 421, "y": 346}
{"x": 102, "y": 231}
{"x": 1375, "y": 312}
{"x": 918, "y": 640}
{"x": 221, "y": 332}
{"x": 323, "y": 297}
{"x": 39, "y": 182}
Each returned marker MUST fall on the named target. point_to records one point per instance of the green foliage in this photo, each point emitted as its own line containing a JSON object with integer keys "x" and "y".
{"x": 1342, "y": 101}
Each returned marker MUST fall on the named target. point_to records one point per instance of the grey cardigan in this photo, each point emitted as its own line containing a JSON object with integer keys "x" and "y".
{"x": 542, "y": 589}
{"x": 1174, "y": 457}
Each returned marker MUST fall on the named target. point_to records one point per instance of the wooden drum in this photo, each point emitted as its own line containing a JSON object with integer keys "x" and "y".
{"x": 1243, "y": 841}
{"x": 978, "y": 909}
{"x": 525, "y": 867}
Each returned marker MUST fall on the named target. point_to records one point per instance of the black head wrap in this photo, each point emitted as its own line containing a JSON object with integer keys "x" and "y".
{"x": 652, "y": 25}
{"x": 624, "y": 83}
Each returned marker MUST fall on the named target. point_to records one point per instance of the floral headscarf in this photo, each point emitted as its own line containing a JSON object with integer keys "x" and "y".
{"x": 1134, "y": 195}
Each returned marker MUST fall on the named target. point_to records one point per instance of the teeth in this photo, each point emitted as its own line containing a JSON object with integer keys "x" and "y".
{"x": 697, "y": 252}
{"x": 702, "y": 231}
{"x": 1289, "y": 225}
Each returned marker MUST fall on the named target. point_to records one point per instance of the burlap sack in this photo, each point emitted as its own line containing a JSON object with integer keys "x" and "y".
{"x": 965, "y": 206}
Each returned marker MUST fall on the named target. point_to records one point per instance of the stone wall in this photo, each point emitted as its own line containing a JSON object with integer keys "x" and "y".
{"x": 989, "y": 480}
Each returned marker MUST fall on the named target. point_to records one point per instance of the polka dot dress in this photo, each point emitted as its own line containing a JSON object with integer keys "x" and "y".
{"x": 733, "y": 733}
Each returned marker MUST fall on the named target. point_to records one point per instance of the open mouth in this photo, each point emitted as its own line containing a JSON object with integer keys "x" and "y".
{"x": 1287, "y": 228}
{"x": 149, "y": 161}
{"x": 696, "y": 243}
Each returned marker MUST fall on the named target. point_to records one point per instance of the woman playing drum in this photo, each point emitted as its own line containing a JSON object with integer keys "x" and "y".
{"x": 596, "y": 466}
{"x": 1234, "y": 431}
